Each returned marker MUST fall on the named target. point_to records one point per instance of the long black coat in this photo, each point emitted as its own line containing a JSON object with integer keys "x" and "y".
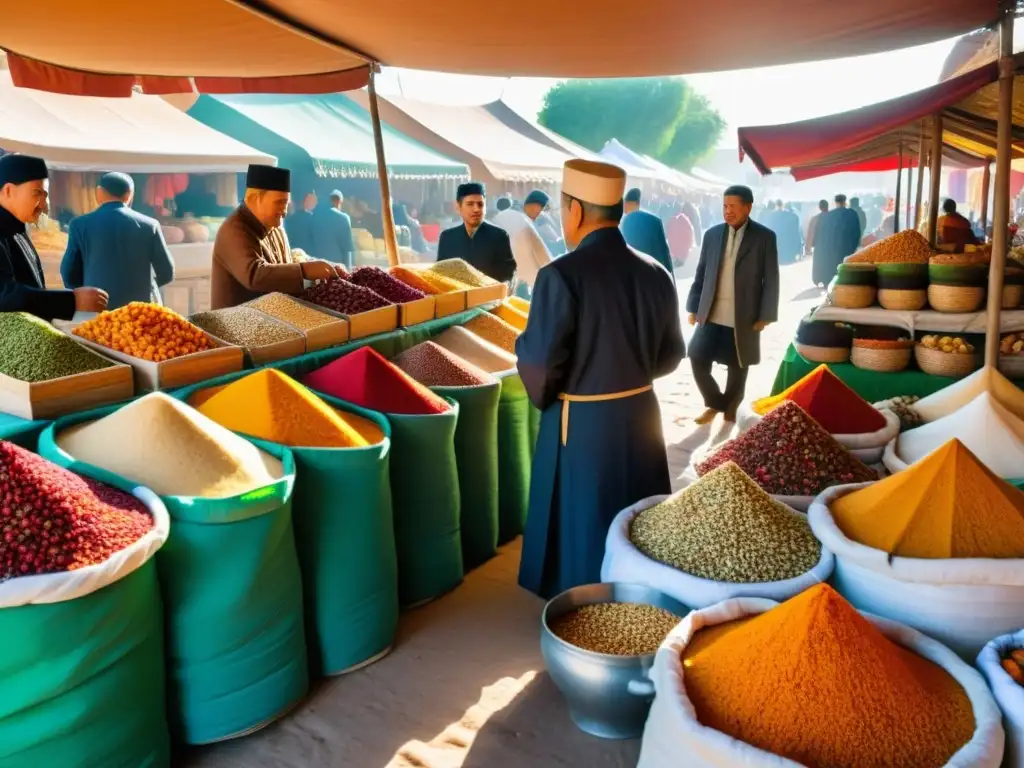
{"x": 489, "y": 250}
{"x": 22, "y": 285}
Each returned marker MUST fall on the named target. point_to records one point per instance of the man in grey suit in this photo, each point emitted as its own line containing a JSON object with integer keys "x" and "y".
{"x": 734, "y": 296}
{"x": 117, "y": 249}
{"x": 332, "y": 233}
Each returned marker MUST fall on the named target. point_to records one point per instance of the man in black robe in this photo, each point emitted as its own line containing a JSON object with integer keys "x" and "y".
{"x": 604, "y": 324}
{"x": 23, "y": 198}
{"x": 476, "y": 241}
{"x": 300, "y": 226}
{"x": 645, "y": 231}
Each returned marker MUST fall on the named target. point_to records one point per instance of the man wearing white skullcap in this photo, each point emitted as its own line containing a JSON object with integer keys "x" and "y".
{"x": 604, "y": 323}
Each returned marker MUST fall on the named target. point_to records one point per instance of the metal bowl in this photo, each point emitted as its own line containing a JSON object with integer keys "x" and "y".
{"x": 608, "y": 696}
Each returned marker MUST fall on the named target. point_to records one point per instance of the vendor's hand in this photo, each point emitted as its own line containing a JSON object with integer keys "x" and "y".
{"x": 760, "y": 325}
{"x": 90, "y": 300}
{"x": 691, "y": 318}
{"x": 317, "y": 269}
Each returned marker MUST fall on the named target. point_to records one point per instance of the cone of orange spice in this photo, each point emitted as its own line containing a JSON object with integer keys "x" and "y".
{"x": 146, "y": 331}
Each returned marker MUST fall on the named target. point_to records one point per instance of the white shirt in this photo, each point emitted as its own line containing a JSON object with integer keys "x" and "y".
{"x": 527, "y": 247}
{"x": 723, "y": 311}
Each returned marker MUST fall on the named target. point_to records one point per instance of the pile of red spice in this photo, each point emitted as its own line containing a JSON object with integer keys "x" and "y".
{"x": 52, "y": 520}
{"x": 789, "y": 454}
{"x": 830, "y": 402}
{"x": 365, "y": 378}
{"x": 434, "y": 366}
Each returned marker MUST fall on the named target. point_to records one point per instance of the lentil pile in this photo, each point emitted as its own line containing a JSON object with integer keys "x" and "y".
{"x": 788, "y": 453}
{"x": 814, "y": 681}
{"x": 434, "y": 366}
{"x": 511, "y": 315}
{"x": 244, "y": 327}
{"x": 495, "y": 330}
{"x": 906, "y": 247}
{"x": 365, "y": 378}
{"x": 618, "y": 629}
{"x": 412, "y": 278}
{"x": 947, "y": 505}
{"x": 831, "y": 403}
{"x": 462, "y": 272}
{"x": 33, "y": 350}
{"x": 725, "y": 528}
{"x": 388, "y": 286}
{"x": 52, "y": 520}
{"x": 272, "y": 406}
{"x": 146, "y": 331}
{"x": 344, "y": 297}
{"x": 475, "y": 350}
{"x": 287, "y": 309}
{"x": 172, "y": 449}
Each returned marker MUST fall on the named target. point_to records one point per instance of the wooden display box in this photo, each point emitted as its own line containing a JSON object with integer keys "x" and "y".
{"x": 449, "y": 303}
{"x": 416, "y": 312}
{"x": 489, "y": 293}
{"x": 270, "y": 353}
{"x": 380, "y": 320}
{"x": 181, "y": 371}
{"x": 332, "y": 334}
{"x": 45, "y": 400}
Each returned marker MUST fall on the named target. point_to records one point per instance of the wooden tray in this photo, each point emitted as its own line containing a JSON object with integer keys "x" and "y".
{"x": 380, "y": 320}
{"x": 181, "y": 371}
{"x": 416, "y": 312}
{"x": 271, "y": 353}
{"x": 331, "y": 334}
{"x": 477, "y": 296}
{"x": 449, "y": 303}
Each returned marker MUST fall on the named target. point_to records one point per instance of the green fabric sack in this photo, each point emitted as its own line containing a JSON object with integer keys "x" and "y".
{"x": 232, "y": 589}
{"x": 426, "y": 500}
{"x": 515, "y": 454}
{"x": 476, "y": 450}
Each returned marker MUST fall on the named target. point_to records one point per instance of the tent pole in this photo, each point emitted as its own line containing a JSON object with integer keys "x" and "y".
{"x": 390, "y": 237}
{"x": 986, "y": 184}
{"x": 921, "y": 151}
{"x": 1001, "y": 216}
{"x": 899, "y": 179}
{"x": 935, "y": 177}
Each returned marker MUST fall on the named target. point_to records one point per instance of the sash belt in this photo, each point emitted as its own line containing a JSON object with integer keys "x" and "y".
{"x": 566, "y": 399}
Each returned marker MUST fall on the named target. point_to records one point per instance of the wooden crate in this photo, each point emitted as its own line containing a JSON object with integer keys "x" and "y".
{"x": 44, "y": 400}
{"x": 416, "y": 312}
{"x": 181, "y": 371}
{"x": 271, "y": 353}
{"x": 489, "y": 293}
{"x": 380, "y": 320}
{"x": 332, "y": 334}
{"x": 446, "y": 304}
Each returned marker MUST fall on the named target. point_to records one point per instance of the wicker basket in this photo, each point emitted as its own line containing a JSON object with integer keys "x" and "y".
{"x": 853, "y": 296}
{"x": 822, "y": 354}
{"x": 882, "y": 360}
{"x": 1012, "y": 296}
{"x": 902, "y": 300}
{"x": 938, "y": 363}
{"x": 955, "y": 298}
{"x": 1012, "y": 366}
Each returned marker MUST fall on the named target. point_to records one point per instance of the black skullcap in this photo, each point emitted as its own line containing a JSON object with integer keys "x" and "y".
{"x": 538, "y": 197}
{"x": 117, "y": 184}
{"x": 268, "y": 177}
{"x": 633, "y": 196}
{"x": 19, "y": 169}
{"x": 840, "y": 198}
{"x": 470, "y": 188}
{"x": 504, "y": 203}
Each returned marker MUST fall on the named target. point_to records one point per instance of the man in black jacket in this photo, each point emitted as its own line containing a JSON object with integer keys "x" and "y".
{"x": 23, "y": 195}
{"x": 475, "y": 241}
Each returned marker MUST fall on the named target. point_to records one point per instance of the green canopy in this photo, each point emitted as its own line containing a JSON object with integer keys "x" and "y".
{"x": 329, "y": 133}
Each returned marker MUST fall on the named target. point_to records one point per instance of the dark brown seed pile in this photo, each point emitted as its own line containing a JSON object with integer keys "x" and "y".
{"x": 345, "y": 297}
{"x": 434, "y": 366}
{"x": 244, "y": 327}
{"x": 619, "y": 629}
{"x": 388, "y": 286}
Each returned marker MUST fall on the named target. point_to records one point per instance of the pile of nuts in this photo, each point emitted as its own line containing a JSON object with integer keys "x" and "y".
{"x": 244, "y": 327}
{"x": 618, "y": 629}
{"x": 906, "y": 247}
{"x": 1012, "y": 344}
{"x": 388, "y": 286}
{"x": 285, "y": 308}
{"x": 146, "y": 331}
{"x": 949, "y": 344}
{"x": 33, "y": 350}
{"x": 345, "y": 297}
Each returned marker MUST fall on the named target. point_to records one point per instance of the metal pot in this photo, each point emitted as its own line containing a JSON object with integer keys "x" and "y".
{"x": 608, "y": 696}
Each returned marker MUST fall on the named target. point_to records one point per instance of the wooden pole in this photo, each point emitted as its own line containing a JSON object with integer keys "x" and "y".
{"x": 935, "y": 177}
{"x": 390, "y": 238}
{"x": 896, "y": 206}
{"x": 1001, "y": 214}
{"x": 986, "y": 185}
{"x": 921, "y": 152}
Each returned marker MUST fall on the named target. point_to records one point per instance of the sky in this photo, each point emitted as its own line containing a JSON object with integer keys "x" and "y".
{"x": 762, "y": 96}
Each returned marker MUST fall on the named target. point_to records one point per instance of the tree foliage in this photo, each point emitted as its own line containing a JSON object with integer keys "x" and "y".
{"x": 657, "y": 116}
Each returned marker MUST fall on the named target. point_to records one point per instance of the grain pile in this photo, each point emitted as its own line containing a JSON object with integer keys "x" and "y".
{"x": 146, "y": 331}
{"x": 476, "y": 350}
{"x": 788, "y": 453}
{"x": 434, "y": 366}
{"x": 495, "y": 330}
{"x": 815, "y": 682}
{"x": 618, "y": 629}
{"x": 344, "y": 297}
{"x": 462, "y": 272}
{"x": 33, "y": 350}
{"x": 519, "y": 303}
{"x": 244, "y": 327}
{"x": 272, "y": 406}
{"x": 725, "y": 528}
{"x": 511, "y": 315}
{"x": 413, "y": 278}
{"x": 287, "y": 309}
{"x": 172, "y": 449}
{"x": 367, "y": 379}
{"x": 906, "y": 247}
{"x": 52, "y": 520}
{"x": 830, "y": 402}
{"x": 386, "y": 285}
{"x": 440, "y": 283}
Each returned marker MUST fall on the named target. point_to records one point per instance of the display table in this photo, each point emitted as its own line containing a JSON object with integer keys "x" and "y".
{"x": 924, "y": 320}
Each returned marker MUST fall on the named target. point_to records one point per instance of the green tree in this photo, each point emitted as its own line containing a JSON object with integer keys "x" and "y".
{"x": 657, "y": 116}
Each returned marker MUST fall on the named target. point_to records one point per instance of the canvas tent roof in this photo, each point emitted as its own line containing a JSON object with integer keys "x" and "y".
{"x": 325, "y": 45}
{"x": 142, "y": 134}
{"x": 329, "y": 134}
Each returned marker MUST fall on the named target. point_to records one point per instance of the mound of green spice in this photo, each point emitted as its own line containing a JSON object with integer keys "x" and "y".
{"x": 33, "y": 350}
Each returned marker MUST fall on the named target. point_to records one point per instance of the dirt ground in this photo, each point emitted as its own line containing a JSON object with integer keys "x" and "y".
{"x": 465, "y": 685}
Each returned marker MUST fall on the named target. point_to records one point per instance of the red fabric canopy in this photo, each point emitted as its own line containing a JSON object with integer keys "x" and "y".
{"x": 887, "y": 162}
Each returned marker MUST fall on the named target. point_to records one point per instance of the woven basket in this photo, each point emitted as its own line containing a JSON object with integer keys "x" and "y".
{"x": 902, "y": 300}
{"x": 882, "y": 360}
{"x": 955, "y": 298}
{"x": 935, "y": 362}
{"x": 853, "y": 296}
{"x": 1012, "y": 296}
{"x": 822, "y": 354}
{"x": 1012, "y": 366}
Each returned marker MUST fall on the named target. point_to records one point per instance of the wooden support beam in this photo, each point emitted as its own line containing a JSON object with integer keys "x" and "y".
{"x": 390, "y": 237}
{"x": 936, "y": 179}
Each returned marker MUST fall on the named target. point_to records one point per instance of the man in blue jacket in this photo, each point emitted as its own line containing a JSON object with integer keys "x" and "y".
{"x": 645, "y": 232}
{"x": 332, "y": 232}
{"x": 117, "y": 249}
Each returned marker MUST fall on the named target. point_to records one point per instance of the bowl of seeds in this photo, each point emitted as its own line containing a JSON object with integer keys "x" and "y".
{"x": 598, "y": 643}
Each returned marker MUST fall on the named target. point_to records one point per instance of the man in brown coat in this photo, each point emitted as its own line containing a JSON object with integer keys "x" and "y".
{"x": 251, "y": 256}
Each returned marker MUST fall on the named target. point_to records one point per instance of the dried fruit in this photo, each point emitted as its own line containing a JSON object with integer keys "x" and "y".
{"x": 146, "y": 331}
{"x": 33, "y": 350}
{"x": 244, "y": 326}
{"x": 619, "y": 629}
{"x": 52, "y": 520}
{"x": 1013, "y": 670}
{"x": 285, "y": 308}
{"x": 434, "y": 366}
{"x": 345, "y": 297}
{"x": 948, "y": 344}
{"x": 391, "y": 288}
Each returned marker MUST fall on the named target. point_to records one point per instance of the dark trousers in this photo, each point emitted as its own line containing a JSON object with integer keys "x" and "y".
{"x": 711, "y": 344}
